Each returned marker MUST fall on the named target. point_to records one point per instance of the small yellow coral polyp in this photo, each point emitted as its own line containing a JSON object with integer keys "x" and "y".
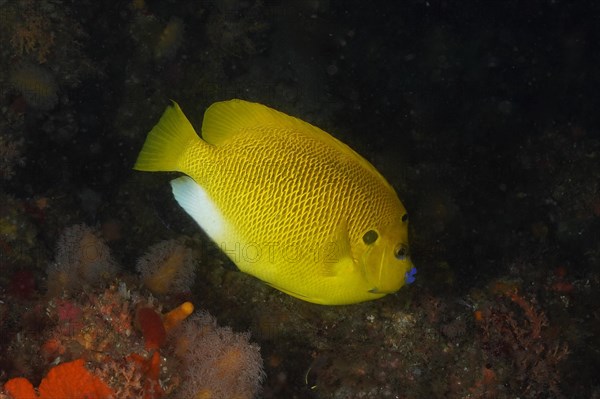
{"x": 203, "y": 394}
{"x": 160, "y": 281}
{"x": 174, "y": 318}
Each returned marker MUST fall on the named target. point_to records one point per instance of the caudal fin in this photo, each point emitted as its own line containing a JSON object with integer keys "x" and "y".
{"x": 166, "y": 142}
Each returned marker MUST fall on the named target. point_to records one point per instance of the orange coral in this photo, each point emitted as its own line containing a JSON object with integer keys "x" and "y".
{"x": 154, "y": 329}
{"x": 52, "y": 348}
{"x": 33, "y": 35}
{"x": 174, "y": 318}
{"x": 151, "y": 326}
{"x": 150, "y": 368}
{"x": 485, "y": 387}
{"x": 167, "y": 267}
{"x": 20, "y": 388}
{"x": 73, "y": 380}
{"x": 69, "y": 380}
{"x": 537, "y": 320}
{"x": 217, "y": 363}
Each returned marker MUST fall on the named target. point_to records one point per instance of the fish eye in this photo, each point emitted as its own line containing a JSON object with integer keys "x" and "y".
{"x": 401, "y": 252}
{"x": 370, "y": 237}
{"x": 405, "y": 217}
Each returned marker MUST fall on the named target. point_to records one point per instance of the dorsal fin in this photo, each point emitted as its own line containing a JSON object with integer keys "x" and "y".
{"x": 225, "y": 119}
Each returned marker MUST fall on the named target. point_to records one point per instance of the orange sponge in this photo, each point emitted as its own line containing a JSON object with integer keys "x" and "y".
{"x": 20, "y": 388}
{"x": 70, "y": 380}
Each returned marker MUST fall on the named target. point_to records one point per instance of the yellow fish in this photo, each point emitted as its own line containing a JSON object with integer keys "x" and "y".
{"x": 287, "y": 202}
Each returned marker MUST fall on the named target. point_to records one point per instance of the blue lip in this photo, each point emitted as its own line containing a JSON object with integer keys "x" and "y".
{"x": 410, "y": 275}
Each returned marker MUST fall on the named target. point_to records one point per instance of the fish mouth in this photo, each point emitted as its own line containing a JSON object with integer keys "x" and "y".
{"x": 376, "y": 290}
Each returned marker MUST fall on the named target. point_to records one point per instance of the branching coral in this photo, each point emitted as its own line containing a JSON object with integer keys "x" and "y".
{"x": 32, "y": 34}
{"x": 519, "y": 334}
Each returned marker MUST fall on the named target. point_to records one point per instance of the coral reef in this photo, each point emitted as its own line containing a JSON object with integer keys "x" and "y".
{"x": 533, "y": 353}
{"x": 82, "y": 256}
{"x": 19, "y": 252}
{"x": 67, "y": 380}
{"x": 121, "y": 337}
{"x": 11, "y": 143}
{"x": 167, "y": 267}
{"x": 36, "y": 84}
{"x": 174, "y": 317}
{"x": 43, "y": 52}
{"x": 151, "y": 325}
{"x": 10, "y": 156}
{"x": 14, "y": 225}
{"x": 32, "y": 33}
{"x": 218, "y": 363}
{"x": 102, "y": 339}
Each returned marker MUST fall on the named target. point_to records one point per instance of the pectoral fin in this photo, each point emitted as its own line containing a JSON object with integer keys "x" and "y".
{"x": 335, "y": 254}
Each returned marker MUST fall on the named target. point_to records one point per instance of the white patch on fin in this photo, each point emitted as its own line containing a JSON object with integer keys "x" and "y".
{"x": 198, "y": 204}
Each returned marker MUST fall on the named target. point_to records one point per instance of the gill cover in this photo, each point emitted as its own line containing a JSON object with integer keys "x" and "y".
{"x": 386, "y": 260}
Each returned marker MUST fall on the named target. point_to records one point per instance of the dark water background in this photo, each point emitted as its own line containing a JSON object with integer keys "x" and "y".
{"x": 483, "y": 115}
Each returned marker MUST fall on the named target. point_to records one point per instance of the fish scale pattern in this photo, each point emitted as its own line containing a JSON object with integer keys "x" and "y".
{"x": 290, "y": 189}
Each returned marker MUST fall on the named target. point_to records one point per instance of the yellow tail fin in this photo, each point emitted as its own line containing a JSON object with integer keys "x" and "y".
{"x": 166, "y": 142}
